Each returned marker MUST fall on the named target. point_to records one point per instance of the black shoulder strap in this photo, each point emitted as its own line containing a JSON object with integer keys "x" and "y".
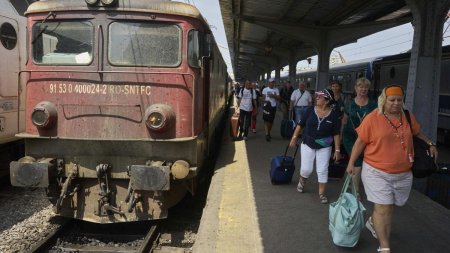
{"x": 301, "y": 95}
{"x": 408, "y": 118}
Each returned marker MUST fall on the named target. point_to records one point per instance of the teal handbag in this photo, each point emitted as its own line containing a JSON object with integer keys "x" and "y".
{"x": 346, "y": 217}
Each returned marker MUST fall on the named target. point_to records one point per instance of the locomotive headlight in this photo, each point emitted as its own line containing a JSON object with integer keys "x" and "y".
{"x": 159, "y": 117}
{"x": 109, "y": 2}
{"x": 44, "y": 115}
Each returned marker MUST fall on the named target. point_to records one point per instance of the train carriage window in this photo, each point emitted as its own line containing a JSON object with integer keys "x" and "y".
{"x": 62, "y": 42}
{"x": 144, "y": 44}
{"x": 194, "y": 49}
{"x": 8, "y": 36}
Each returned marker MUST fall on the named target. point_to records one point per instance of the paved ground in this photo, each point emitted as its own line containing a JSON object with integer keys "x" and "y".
{"x": 246, "y": 213}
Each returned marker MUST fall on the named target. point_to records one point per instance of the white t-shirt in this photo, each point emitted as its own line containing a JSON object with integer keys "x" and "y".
{"x": 305, "y": 100}
{"x": 267, "y": 91}
{"x": 246, "y": 99}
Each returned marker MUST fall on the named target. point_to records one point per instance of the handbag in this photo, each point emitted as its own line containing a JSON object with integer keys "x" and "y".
{"x": 423, "y": 165}
{"x": 325, "y": 142}
{"x": 346, "y": 216}
{"x": 267, "y": 111}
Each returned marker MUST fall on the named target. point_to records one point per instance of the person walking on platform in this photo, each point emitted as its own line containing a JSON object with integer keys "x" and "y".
{"x": 336, "y": 87}
{"x": 246, "y": 102}
{"x": 354, "y": 112}
{"x": 300, "y": 101}
{"x": 385, "y": 136}
{"x": 255, "y": 108}
{"x": 321, "y": 127}
{"x": 270, "y": 96}
{"x": 285, "y": 94}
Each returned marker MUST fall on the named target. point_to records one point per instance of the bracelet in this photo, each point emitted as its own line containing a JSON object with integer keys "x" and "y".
{"x": 337, "y": 150}
{"x": 294, "y": 136}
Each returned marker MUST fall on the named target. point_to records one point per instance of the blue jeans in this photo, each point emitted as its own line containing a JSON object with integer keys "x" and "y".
{"x": 300, "y": 112}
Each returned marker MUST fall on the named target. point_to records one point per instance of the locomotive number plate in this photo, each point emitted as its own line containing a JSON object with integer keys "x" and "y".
{"x": 95, "y": 89}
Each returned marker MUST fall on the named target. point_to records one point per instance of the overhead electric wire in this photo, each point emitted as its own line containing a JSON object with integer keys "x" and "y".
{"x": 375, "y": 43}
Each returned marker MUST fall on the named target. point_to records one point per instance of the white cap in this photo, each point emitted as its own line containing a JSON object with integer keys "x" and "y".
{"x": 271, "y": 80}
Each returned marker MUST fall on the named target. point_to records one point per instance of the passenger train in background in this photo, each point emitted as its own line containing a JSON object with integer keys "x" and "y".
{"x": 386, "y": 70}
{"x": 124, "y": 101}
{"x": 12, "y": 61}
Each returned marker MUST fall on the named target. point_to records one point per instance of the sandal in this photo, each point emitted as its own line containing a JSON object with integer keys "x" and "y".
{"x": 301, "y": 184}
{"x": 323, "y": 199}
{"x": 369, "y": 226}
{"x": 383, "y": 249}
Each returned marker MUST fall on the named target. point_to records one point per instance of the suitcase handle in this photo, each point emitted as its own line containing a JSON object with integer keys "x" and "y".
{"x": 287, "y": 148}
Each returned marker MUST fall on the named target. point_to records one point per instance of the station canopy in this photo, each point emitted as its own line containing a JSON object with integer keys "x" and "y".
{"x": 264, "y": 35}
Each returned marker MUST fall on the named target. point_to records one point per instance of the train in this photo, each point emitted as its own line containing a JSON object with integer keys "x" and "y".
{"x": 124, "y": 103}
{"x": 385, "y": 70}
{"x": 12, "y": 106}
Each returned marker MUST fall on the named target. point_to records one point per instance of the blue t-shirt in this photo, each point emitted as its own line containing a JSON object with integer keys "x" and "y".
{"x": 318, "y": 133}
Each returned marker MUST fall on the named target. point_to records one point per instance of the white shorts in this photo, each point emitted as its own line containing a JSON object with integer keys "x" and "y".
{"x": 384, "y": 188}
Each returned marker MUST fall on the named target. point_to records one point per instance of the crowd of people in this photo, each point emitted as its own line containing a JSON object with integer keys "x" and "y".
{"x": 375, "y": 134}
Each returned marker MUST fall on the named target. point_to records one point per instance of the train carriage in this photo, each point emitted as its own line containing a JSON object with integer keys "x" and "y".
{"x": 394, "y": 69}
{"x": 124, "y": 98}
{"x": 385, "y": 70}
{"x": 12, "y": 50}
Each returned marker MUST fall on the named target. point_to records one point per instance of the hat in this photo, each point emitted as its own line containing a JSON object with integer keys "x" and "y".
{"x": 326, "y": 93}
{"x": 271, "y": 80}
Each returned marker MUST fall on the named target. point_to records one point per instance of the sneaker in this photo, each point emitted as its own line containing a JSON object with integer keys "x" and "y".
{"x": 245, "y": 138}
{"x": 254, "y": 131}
{"x": 369, "y": 226}
{"x": 267, "y": 137}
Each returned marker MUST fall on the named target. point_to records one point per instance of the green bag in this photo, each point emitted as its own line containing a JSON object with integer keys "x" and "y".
{"x": 346, "y": 217}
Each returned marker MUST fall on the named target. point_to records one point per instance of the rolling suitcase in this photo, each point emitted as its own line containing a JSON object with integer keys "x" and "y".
{"x": 234, "y": 125}
{"x": 282, "y": 168}
{"x": 287, "y": 127}
{"x": 336, "y": 170}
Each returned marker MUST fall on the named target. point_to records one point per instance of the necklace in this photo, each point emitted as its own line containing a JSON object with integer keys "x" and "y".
{"x": 396, "y": 131}
{"x": 361, "y": 117}
{"x": 320, "y": 119}
{"x": 364, "y": 101}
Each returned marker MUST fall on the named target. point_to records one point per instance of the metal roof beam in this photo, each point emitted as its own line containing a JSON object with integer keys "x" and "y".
{"x": 349, "y": 8}
{"x": 267, "y": 59}
{"x": 287, "y": 7}
{"x": 276, "y": 50}
{"x": 336, "y": 35}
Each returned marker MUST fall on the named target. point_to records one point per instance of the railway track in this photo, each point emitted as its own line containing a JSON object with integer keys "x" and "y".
{"x": 82, "y": 237}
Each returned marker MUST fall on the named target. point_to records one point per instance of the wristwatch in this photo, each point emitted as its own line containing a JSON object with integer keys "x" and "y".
{"x": 431, "y": 144}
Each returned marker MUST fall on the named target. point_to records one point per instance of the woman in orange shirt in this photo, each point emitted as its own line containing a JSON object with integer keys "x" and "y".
{"x": 386, "y": 139}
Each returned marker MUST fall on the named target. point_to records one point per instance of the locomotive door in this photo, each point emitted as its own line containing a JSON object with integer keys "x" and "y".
{"x": 9, "y": 74}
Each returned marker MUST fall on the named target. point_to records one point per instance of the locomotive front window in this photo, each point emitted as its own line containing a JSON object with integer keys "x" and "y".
{"x": 63, "y": 42}
{"x": 144, "y": 44}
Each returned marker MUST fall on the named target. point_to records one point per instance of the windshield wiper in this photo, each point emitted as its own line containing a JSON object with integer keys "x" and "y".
{"x": 50, "y": 14}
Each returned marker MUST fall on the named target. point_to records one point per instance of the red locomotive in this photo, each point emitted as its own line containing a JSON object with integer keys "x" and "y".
{"x": 123, "y": 101}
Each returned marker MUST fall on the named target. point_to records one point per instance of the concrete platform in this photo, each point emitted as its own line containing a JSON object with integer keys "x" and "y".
{"x": 246, "y": 213}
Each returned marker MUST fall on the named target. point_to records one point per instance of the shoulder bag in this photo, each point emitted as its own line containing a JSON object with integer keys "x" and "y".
{"x": 423, "y": 165}
{"x": 267, "y": 111}
{"x": 346, "y": 216}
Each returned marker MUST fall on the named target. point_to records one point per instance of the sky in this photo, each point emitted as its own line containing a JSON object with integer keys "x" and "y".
{"x": 391, "y": 41}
